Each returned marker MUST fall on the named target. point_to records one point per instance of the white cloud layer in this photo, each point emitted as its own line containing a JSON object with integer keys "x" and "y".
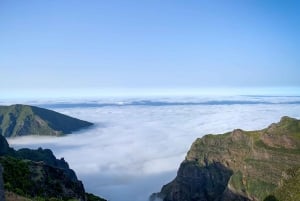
{"x": 133, "y": 150}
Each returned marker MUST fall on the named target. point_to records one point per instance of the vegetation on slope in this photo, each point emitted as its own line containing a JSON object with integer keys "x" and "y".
{"x": 257, "y": 159}
{"x": 36, "y": 175}
{"x": 20, "y": 120}
{"x": 16, "y": 175}
{"x": 289, "y": 189}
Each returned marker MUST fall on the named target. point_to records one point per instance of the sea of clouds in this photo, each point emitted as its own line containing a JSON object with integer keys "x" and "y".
{"x": 136, "y": 145}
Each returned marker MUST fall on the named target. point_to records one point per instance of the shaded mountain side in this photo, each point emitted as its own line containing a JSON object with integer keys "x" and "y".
{"x": 47, "y": 157}
{"x": 37, "y": 179}
{"x": 2, "y": 195}
{"x": 203, "y": 184}
{"x": 20, "y": 120}
{"x": 237, "y": 166}
{"x": 38, "y": 175}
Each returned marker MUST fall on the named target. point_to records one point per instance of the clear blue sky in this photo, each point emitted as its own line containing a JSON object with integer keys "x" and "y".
{"x": 69, "y": 44}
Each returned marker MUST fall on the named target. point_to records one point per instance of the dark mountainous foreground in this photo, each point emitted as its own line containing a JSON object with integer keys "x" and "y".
{"x": 240, "y": 165}
{"x": 1, "y": 184}
{"x": 21, "y": 120}
{"x": 38, "y": 176}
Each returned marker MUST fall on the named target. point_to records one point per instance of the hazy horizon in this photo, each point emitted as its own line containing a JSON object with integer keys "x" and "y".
{"x": 23, "y": 96}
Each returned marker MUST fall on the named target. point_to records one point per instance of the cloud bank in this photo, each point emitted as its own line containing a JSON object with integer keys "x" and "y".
{"x": 134, "y": 149}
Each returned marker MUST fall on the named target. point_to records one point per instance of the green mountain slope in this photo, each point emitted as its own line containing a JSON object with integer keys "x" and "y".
{"x": 289, "y": 189}
{"x": 20, "y": 120}
{"x": 237, "y": 166}
{"x": 36, "y": 175}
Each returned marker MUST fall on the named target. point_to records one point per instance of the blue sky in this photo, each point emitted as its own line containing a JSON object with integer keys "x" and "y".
{"x": 78, "y": 45}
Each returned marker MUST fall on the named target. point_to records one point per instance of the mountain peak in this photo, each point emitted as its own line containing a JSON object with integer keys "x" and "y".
{"x": 286, "y": 124}
{"x": 20, "y": 120}
{"x": 288, "y": 121}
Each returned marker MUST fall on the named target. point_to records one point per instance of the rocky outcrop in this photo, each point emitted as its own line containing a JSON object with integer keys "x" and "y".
{"x": 38, "y": 179}
{"x": 200, "y": 183}
{"x": 38, "y": 174}
{"x": 51, "y": 182}
{"x": 20, "y": 120}
{"x": 236, "y": 166}
{"x": 45, "y": 156}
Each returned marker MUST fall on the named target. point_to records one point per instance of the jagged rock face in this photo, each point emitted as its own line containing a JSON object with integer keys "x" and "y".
{"x": 20, "y": 120}
{"x": 200, "y": 183}
{"x": 46, "y": 156}
{"x": 38, "y": 173}
{"x": 240, "y": 165}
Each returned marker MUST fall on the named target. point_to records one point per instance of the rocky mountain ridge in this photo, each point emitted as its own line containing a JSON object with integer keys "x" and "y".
{"x": 237, "y": 166}
{"x": 38, "y": 175}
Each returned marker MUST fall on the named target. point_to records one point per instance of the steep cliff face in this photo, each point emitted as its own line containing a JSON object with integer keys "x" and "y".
{"x": 240, "y": 165}
{"x": 37, "y": 179}
{"x": 20, "y": 120}
{"x": 4, "y": 147}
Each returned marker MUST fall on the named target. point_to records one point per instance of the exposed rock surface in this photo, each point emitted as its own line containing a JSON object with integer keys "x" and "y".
{"x": 21, "y": 120}
{"x": 236, "y": 166}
